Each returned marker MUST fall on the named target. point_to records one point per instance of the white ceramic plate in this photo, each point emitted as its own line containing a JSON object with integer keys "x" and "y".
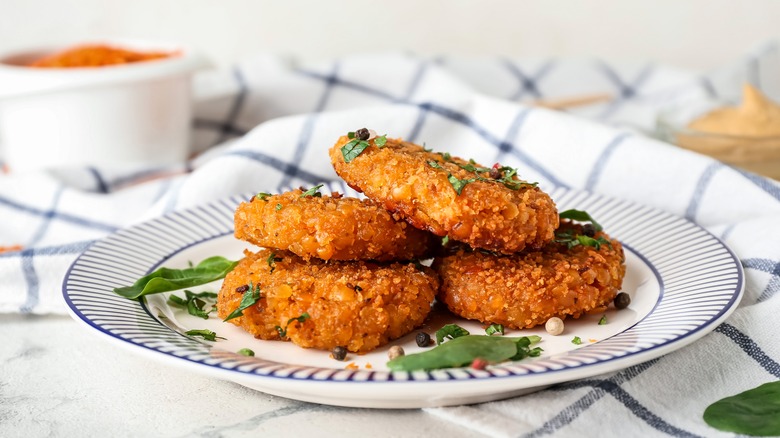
{"x": 683, "y": 282}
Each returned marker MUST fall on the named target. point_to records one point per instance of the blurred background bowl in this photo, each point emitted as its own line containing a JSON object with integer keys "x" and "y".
{"x": 760, "y": 155}
{"x": 135, "y": 113}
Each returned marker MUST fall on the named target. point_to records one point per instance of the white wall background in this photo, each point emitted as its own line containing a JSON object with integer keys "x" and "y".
{"x": 692, "y": 33}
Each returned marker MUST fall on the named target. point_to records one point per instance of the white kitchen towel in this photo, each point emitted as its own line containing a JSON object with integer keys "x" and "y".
{"x": 272, "y": 122}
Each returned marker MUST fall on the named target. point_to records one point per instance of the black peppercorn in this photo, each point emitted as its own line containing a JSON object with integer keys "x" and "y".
{"x": 242, "y": 289}
{"x": 339, "y": 353}
{"x": 495, "y": 173}
{"x": 423, "y": 339}
{"x": 362, "y": 134}
{"x": 589, "y": 230}
{"x": 622, "y": 300}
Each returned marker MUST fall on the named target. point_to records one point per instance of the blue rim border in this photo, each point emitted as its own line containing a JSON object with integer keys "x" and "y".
{"x": 708, "y": 325}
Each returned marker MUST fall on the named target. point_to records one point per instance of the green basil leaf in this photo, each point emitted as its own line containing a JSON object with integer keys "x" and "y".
{"x": 458, "y": 184}
{"x": 753, "y": 412}
{"x": 165, "y": 279}
{"x": 314, "y": 191}
{"x": 351, "y": 150}
{"x": 462, "y": 351}
{"x": 494, "y": 328}
{"x": 250, "y": 298}
{"x": 580, "y": 216}
{"x": 204, "y": 333}
{"x": 283, "y": 331}
{"x": 450, "y": 331}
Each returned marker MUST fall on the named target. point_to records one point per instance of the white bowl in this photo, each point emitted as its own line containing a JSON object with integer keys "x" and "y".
{"x": 138, "y": 113}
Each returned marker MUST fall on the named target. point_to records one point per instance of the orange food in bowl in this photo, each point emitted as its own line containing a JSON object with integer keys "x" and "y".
{"x": 96, "y": 56}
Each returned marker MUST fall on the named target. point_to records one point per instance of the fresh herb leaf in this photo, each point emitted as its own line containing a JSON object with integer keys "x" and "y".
{"x": 571, "y": 240}
{"x": 262, "y": 196}
{"x": 463, "y": 350}
{"x": 425, "y": 149}
{"x": 434, "y": 164}
{"x": 283, "y": 331}
{"x": 576, "y": 340}
{"x": 458, "y": 184}
{"x": 445, "y": 240}
{"x": 450, "y": 331}
{"x": 494, "y": 328}
{"x": 380, "y": 141}
{"x": 250, "y": 298}
{"x": 246, "y": 352}
{"x": 314, "y": 191}
{"x": 753, "y": 412}
{"x": 204, "y": 333}
{"x": 278, "y": 207}
{"x": 351, "y": 135}
{"x": 580, "y": 216}
{"x": 351, "y": 150}
{"x": 166, "y": 279}
{"x": 272, "y": 259}
{"x": 194, "y": 304}
{"x": 603, "y": 320}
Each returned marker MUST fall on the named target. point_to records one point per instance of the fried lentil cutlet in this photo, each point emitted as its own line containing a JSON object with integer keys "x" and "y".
{"x": 357, "y": 305}
{"x": 525, "y": 290}
{"x": 330, "y": 228}
{"x": 487, "y": 214}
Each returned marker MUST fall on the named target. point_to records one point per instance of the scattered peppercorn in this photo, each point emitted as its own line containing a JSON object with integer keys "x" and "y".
{"x": 339, "y": 353}
{"x": 589, "y": 230}
{"x": 479, "y": 364}
{"x": 494, "y": 172}
{"x": 622, "y": 300}
{"x": 395, "y": 351}
{"x": 554, "y": 326}
{"x": 423, "y": 339}
{"x": 362, "y": 134}
{"x": 242, "y": 289}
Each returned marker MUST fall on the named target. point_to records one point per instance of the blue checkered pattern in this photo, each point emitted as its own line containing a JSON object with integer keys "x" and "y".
{"x": 268, "y": 126}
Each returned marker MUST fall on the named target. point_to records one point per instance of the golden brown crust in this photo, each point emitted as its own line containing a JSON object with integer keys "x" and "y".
{"x": 486, "y": 214}
{"x": 356, "y": 305}
{"x": 329, "y": 228}
{"x": 525, "y": 290}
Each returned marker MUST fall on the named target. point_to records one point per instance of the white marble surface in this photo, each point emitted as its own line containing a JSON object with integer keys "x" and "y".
{"x": 58, "y": 379}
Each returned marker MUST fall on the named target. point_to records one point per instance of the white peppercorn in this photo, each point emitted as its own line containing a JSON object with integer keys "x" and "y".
{"x": 554, "y": 326}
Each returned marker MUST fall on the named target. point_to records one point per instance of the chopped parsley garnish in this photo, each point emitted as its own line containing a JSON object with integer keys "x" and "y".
{"x": 358, "y": 142}
{"x": 576, "y": 340}
{"x": 450, "y": 331}
{"x": 494, "y": 328}
{"x": 570, "y": 239}
{"x": 262, "y": 195}
{"x": 580, "y": 216}
{"x": 445, "y": 240}
{"x": 246, "y": 352}
{"x": 500, "y": 174}
{"x": 194, "y": 303}
{"x": 278, "y": 207}
{"x": 204, "y": 333}
{"x": 272, "y": 259}
{"x": 250, "y": 298}
{"x": 283, "y": 331}
{"x": 603, "y": 320}
{"x": 314, "y": 192}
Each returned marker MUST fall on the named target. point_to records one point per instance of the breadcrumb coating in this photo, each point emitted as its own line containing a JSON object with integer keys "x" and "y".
{"x": 408, "y": 180}
{"x": 356, "y": 305}
{"x": 330, "y": 228}
{"x": 525, "y": 290}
